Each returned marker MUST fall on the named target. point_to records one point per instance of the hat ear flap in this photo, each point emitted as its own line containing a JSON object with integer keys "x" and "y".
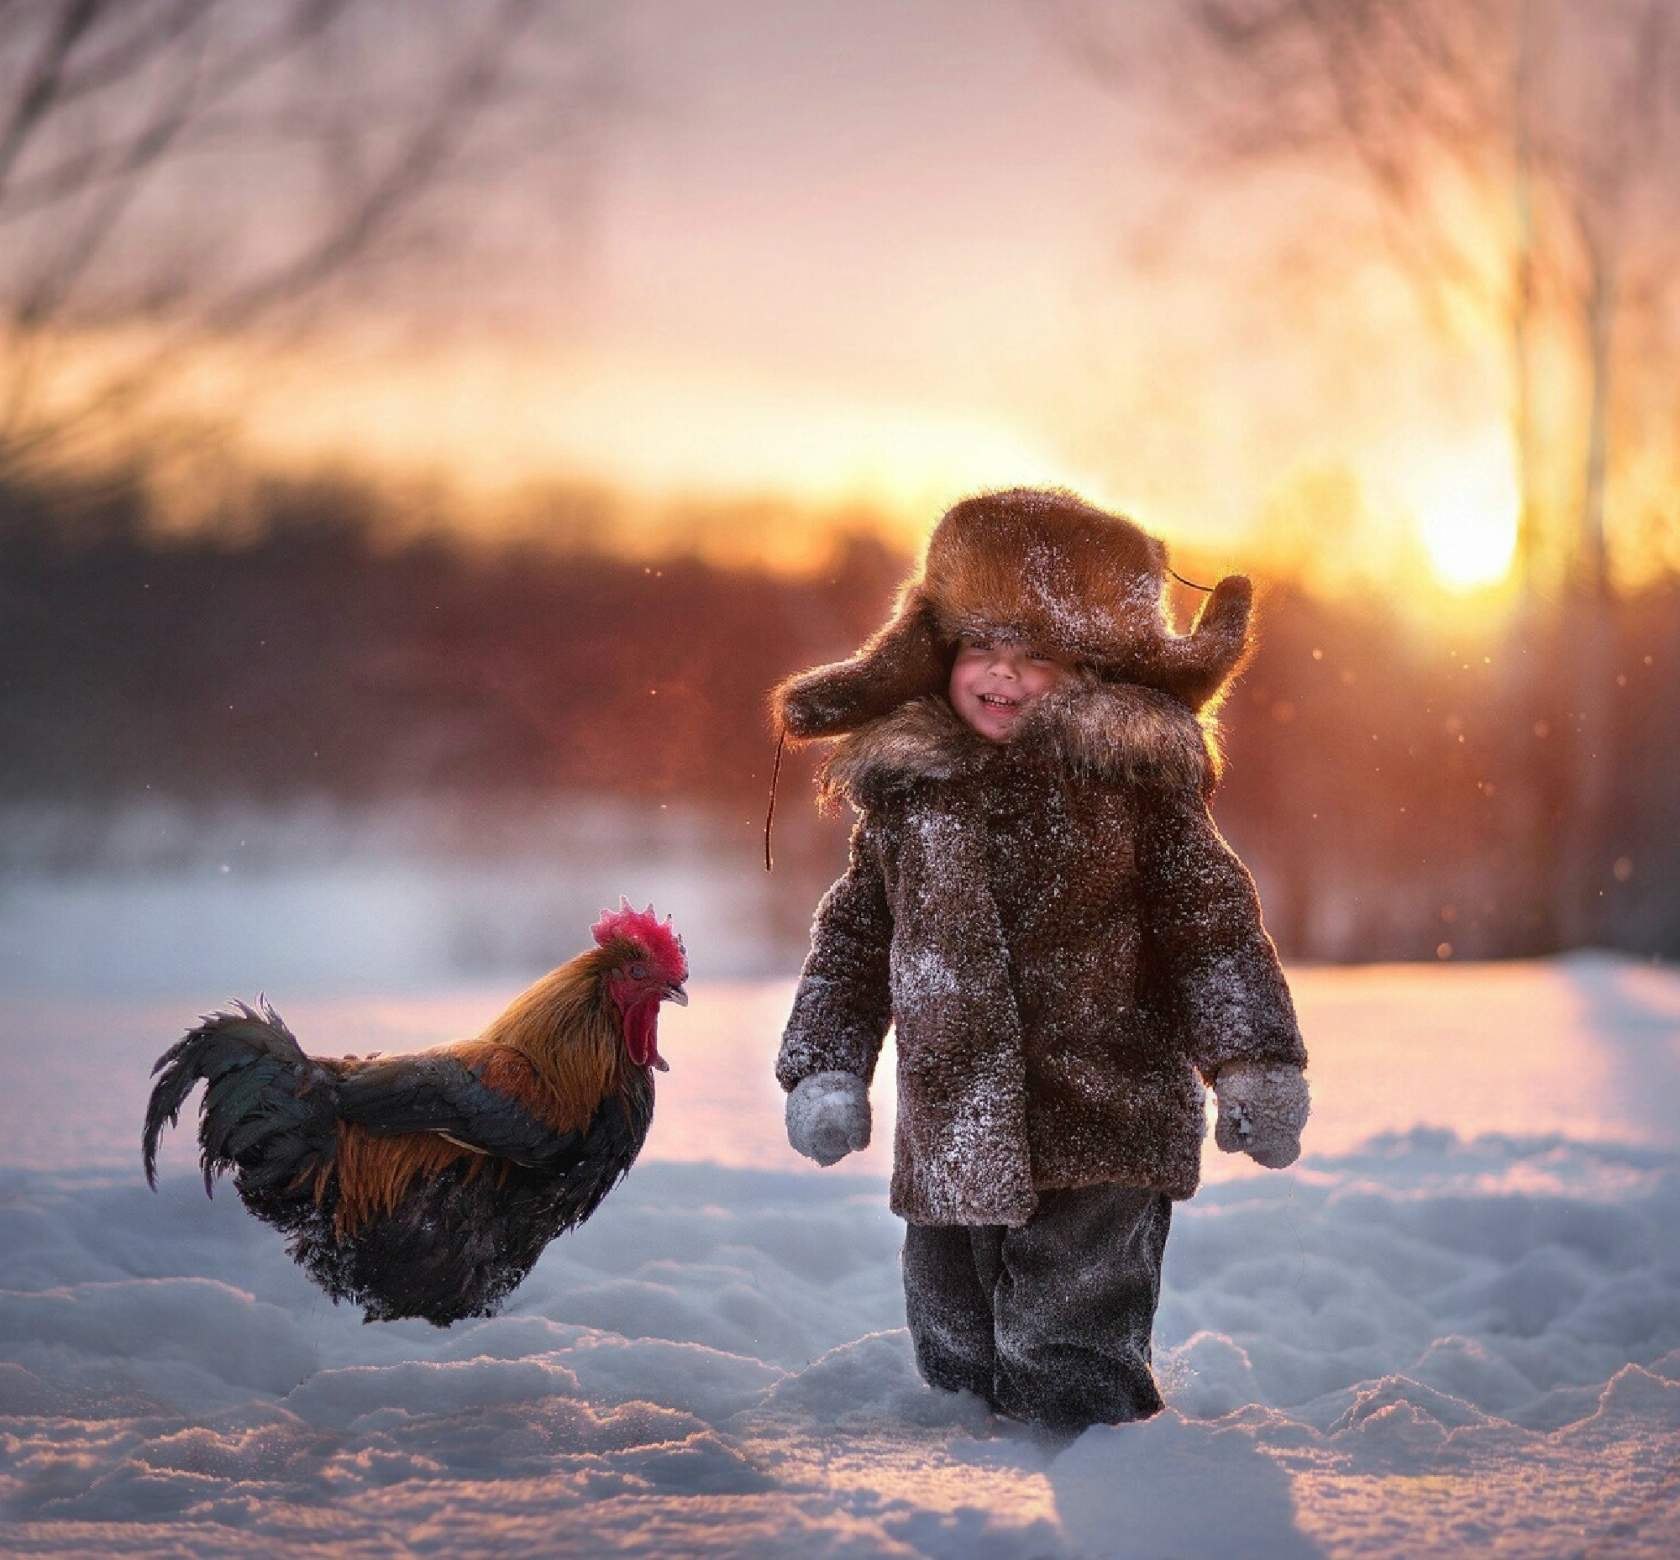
{"x": 1196, "y": 666}
{"x": 904, "y": 660}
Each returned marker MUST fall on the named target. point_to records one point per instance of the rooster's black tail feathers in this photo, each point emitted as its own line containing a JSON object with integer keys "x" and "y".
{"x": 264, "y": 1111}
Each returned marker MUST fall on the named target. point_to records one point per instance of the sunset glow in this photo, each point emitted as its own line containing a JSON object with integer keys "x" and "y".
{"x": 653, "y": 430}
{"x": 1464, "y": 506}
{"x": 690, "y": 453}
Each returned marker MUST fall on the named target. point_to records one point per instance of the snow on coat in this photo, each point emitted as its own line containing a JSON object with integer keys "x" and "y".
{"x": 1063, "y": 938}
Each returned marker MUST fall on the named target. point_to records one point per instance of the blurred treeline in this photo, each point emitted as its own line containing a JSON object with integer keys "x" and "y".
{"x": 1397, "y": 791}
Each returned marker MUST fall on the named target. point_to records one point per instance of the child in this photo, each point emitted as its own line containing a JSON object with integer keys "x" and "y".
{"x": 1039, "y": 900}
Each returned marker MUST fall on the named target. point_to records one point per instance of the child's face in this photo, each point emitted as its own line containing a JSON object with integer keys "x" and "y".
{"x": 993, "y": 681}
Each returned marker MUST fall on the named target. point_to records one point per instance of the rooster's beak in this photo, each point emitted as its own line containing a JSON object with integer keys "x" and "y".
{"x": 676, "y": 994}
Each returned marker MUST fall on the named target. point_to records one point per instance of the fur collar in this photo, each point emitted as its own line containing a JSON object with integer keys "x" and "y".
{"x": 1088, "y": 728}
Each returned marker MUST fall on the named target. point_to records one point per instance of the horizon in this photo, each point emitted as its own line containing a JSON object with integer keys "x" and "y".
{"x": 778, "y": 535}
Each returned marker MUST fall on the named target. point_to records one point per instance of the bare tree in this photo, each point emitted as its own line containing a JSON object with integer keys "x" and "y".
{"x": 182, "y": 172}
{"x": 1524, "y": 156}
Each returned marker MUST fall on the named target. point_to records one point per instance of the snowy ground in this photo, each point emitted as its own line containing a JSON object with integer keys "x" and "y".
{"x": 1455, "y": 1326}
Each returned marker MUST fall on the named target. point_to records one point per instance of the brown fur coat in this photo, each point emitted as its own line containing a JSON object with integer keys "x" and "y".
{"x": 1065, "y": 942}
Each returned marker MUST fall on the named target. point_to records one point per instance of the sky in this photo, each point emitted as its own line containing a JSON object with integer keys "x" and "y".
{"x": 882, "y": 255}
{"x": 867, "y": 259}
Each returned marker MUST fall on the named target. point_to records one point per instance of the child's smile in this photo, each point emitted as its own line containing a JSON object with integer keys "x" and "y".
{"x": 995, "y": 681}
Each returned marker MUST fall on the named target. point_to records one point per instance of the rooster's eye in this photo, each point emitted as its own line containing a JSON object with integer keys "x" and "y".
{"x": 638, "y": 972}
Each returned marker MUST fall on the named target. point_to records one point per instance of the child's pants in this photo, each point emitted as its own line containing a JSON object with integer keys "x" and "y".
{"x": 1049, "y": 1322}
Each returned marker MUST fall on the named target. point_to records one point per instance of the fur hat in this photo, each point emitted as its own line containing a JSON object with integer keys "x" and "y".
{"x": 1043, "y": 567}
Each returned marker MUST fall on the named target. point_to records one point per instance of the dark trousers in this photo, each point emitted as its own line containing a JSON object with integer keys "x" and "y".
{"x": 1050, "y": 1322}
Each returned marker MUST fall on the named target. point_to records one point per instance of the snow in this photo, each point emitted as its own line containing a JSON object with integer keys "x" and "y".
{"x": 1454, "y": 1324}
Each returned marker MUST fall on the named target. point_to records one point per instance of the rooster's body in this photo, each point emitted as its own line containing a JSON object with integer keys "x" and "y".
{"x": 428, "y": 1185}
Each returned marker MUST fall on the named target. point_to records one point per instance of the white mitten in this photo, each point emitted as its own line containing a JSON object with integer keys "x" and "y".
{"x": 828, "y": 1116}
{"x": 1262, "y": 1108}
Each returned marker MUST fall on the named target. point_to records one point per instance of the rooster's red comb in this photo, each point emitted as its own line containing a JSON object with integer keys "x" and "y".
{"x": 645, "y": 928}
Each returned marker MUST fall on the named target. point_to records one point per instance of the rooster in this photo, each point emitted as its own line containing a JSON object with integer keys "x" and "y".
{"x": 428, "y": 1185}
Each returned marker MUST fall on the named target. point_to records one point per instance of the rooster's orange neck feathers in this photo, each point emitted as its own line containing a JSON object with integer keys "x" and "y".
{"x": 569, "y": 1032}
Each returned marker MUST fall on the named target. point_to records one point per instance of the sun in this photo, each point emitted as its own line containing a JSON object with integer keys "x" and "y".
{"x": 1464, "y": 507}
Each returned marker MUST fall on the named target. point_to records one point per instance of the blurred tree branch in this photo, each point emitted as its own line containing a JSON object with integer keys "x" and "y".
{"x": 1524, "y": 159}
{"x": 176, "y": 173}
{"x": 1523, "y": 156}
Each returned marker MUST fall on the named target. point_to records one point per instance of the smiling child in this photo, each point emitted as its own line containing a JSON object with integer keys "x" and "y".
{"x": 1038, "y": 899}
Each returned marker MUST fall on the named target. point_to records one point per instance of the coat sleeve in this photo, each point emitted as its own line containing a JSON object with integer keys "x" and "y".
{"x": 843, "y": 1006}
{"x": 1209, "y": 953}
